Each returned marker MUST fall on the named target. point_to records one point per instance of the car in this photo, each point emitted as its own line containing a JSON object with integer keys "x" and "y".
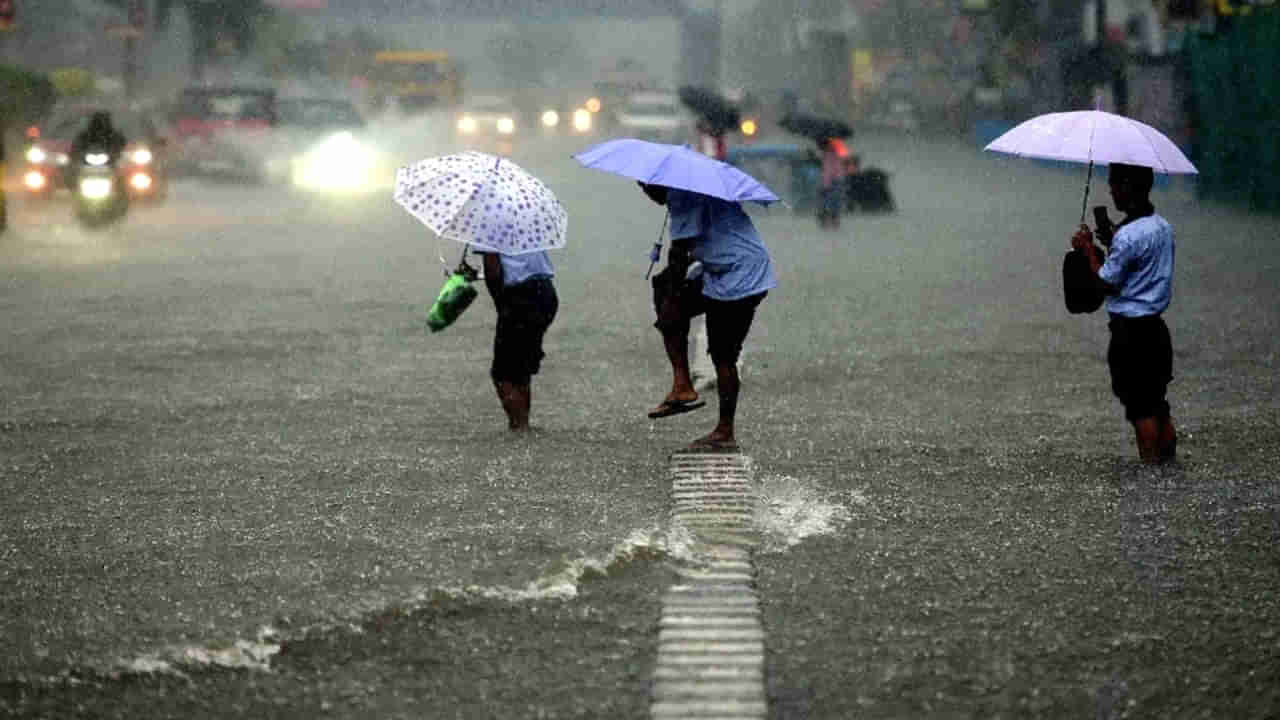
{"x": 225, "y": 130}
{"x": 324, "y": 145}
{"x": 490, "y": 122}
{"x": 656, "y": 116}
{"x": 144, "y": 163}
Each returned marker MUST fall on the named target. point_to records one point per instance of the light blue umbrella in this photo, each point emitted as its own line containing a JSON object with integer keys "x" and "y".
{"x": 675, "y": 166}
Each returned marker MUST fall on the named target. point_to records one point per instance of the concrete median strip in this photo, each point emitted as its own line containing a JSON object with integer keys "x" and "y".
{"x": 710, "y": 639}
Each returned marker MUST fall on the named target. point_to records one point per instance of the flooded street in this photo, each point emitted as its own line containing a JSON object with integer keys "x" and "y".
{"x": 243, "y": 480}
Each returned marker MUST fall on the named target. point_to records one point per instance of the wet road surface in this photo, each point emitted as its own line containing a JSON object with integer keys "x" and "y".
{"x": 242, "y": 479}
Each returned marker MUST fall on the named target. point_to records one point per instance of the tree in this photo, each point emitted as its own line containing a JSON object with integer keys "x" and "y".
{"x": 213, "y": 22}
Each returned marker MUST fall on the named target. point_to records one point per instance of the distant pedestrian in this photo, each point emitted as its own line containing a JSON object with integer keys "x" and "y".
{"x": 526, "y": 301}
{"x": 1137, "y": 277}
{"x": 736, "y": 275}
{"x": 832, "y": 191}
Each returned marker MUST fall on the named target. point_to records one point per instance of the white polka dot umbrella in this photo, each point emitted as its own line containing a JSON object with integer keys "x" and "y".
{"x": 487, "y": 202}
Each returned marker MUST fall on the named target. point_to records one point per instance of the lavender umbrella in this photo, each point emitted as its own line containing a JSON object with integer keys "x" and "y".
{"x": 1094, "y": 137}
{"x": 675, "y": 166}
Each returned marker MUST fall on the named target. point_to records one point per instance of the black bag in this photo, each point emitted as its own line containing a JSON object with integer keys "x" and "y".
{"x": 1079, "y": 285}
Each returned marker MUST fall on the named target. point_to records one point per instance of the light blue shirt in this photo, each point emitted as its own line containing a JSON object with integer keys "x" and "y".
{"x": 1140, "y": 266}
{"x": 518, "y": 268}
{"x": 735, "y": 262}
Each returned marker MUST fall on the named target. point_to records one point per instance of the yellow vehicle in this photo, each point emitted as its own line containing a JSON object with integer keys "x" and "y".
{"x": 414, "y": 80}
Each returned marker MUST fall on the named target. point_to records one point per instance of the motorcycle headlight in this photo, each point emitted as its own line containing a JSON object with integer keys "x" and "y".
{"x": 506, "y": 125}
{"x": 36, "y": 155}
{"x": 550, "y": 118}
{"x": 466, "y": 124}
{"x": 142, "y": 156}
{"x": 95, "y": 188}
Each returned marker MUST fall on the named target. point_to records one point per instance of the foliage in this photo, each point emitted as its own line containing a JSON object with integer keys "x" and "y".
{"x": 24, "y": 95}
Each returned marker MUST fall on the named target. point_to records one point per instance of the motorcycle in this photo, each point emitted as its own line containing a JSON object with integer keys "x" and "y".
{"x": 100, "y": 198}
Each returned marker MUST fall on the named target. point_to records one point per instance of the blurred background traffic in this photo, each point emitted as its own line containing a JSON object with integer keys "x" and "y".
{"x": 333, "y": 94}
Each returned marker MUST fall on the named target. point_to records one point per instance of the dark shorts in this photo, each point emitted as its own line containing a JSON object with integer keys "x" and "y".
{"x": 1141, "y": 360}
{"x": 525, "y": 311}
{"x": 676, "y": 301}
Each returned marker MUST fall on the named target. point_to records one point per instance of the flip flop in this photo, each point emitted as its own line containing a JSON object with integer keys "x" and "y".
{"x": 669, "y": 408}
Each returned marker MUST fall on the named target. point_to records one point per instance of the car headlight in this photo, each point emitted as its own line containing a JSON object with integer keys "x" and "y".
{"x": 506, "y": 125}
{"x": 339, "y": 162}
{"x": 582, "y": 120}
{"x": 34, "y": 180}
{"x": 141, "y": 181}
{"x": 97, "y": 159}
{"x": 466, "y": 124}
{"x": 550, "y": 118}
{"x": 36, "y": 155}
{"x": 142, "y": 156}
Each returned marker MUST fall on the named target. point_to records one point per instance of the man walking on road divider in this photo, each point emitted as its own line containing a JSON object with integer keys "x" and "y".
{"x": 717, "y": 265}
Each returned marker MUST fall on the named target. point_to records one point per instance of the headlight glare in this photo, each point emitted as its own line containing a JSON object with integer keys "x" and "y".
{"x": 36, "y": 155}
{"x": 506, "y": 125}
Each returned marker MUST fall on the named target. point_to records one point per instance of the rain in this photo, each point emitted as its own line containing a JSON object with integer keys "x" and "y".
{"x": 279, "y": 439}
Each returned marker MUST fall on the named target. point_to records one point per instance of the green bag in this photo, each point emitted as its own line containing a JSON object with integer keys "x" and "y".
{"x": 456, "y": 295}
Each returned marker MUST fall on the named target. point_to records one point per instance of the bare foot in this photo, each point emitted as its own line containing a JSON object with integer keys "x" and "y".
{"x": 716, "y": 440}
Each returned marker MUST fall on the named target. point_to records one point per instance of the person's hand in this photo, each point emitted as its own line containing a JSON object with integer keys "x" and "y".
{"x": 1083, "y": 239}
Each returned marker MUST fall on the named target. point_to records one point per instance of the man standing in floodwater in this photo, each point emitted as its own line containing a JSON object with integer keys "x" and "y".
{"x": 736, "y": 274}
{"x": 1137, "y": 278}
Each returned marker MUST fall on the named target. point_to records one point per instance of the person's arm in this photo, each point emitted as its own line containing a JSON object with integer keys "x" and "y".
{"x": 1083, "y": 241}
{"x": 493, "y": 275}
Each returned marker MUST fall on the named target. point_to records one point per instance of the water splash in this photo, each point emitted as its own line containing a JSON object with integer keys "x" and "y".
{"x": 793, "y": 509}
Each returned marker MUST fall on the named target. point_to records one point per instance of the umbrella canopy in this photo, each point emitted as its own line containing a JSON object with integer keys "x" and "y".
{"x": 675, "y": 166}
{"x": 1095, "y": 137}
{"x": 815, "y": 128}
{"x": 484, "y": 201}
{"x": 716, "y": 110}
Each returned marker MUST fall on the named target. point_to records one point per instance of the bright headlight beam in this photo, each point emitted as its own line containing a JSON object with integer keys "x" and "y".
{"x": 142, "y": 156}
{"x": 36, "y": 155}
{"x": 466, "y": 124}
{"x": 550, "y": 118}
{"x": 95, "y": 188}
{"x": 506, "y": 125}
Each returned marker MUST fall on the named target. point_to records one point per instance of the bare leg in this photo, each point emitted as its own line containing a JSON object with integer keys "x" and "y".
{"x": 677, "y": 347}
{"x": 727, "y": 384}
{"x": 1168, "y": 439}
{"x": 1147, "y": 431}
{"x": 515, "y": 401}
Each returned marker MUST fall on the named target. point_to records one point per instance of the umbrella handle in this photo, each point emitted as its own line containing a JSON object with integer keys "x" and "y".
{"x": 1084, "y": 205}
